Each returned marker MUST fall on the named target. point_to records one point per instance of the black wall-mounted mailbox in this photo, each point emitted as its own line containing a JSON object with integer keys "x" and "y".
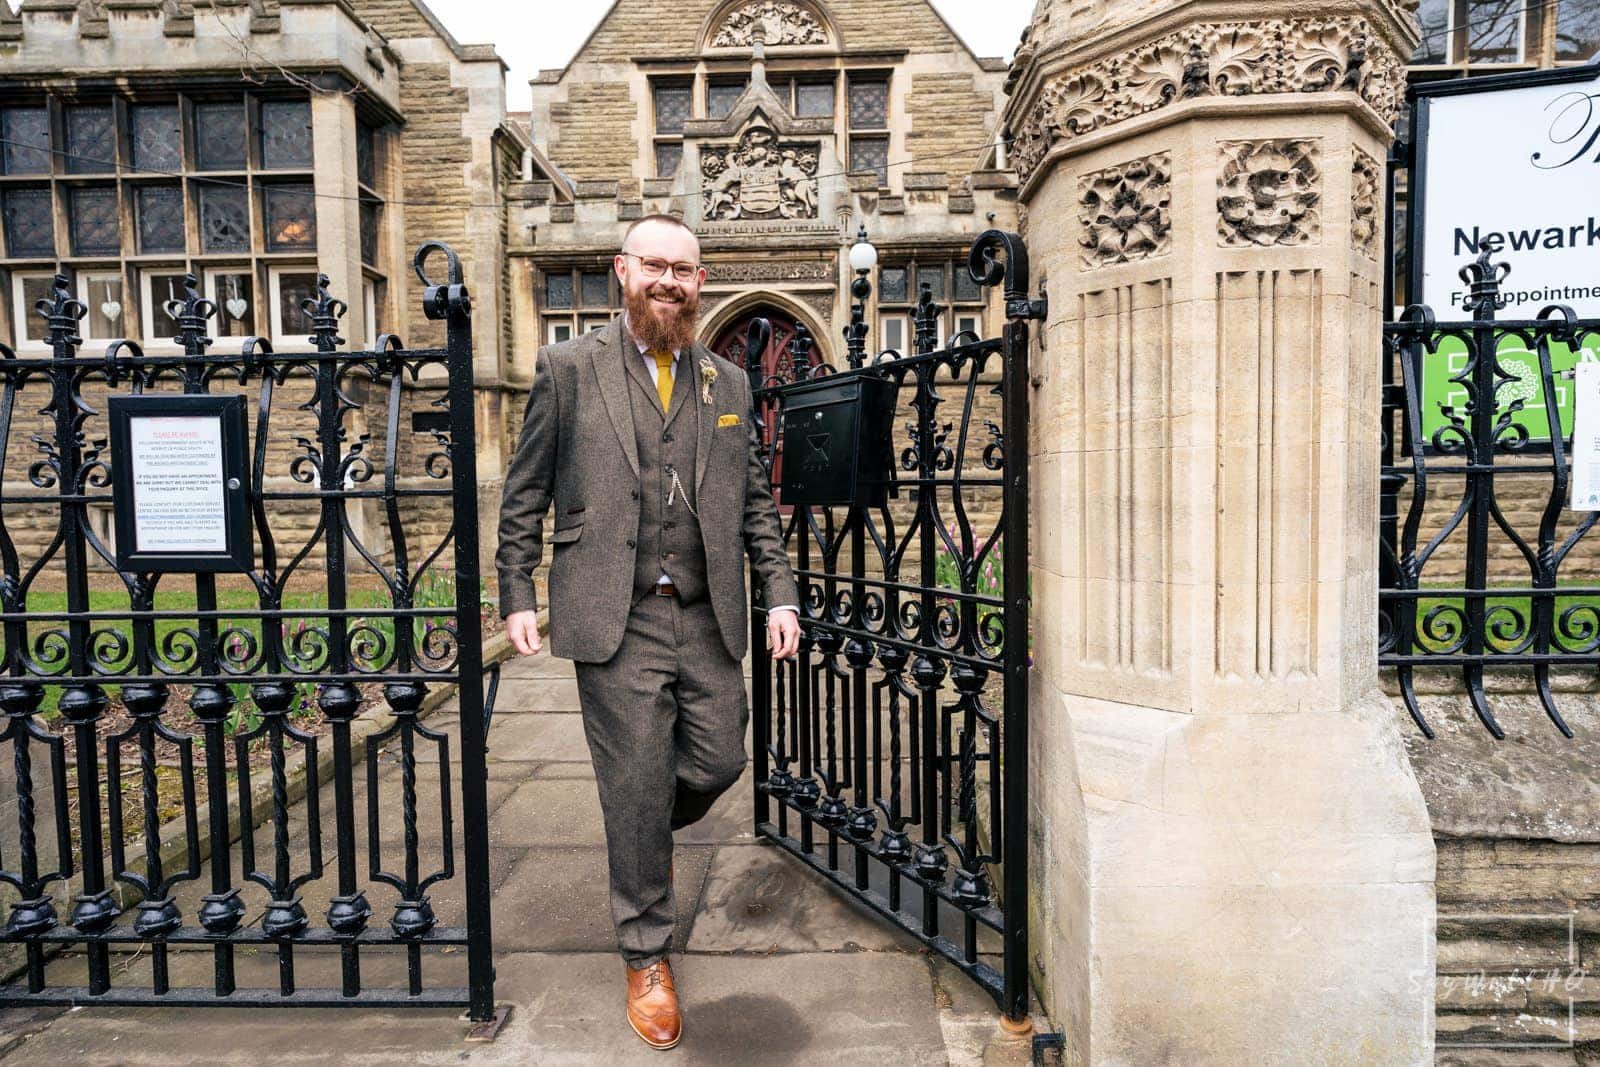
{"x": 836, "y": 441}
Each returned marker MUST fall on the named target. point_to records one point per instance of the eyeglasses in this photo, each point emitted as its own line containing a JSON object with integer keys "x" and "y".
{"x": 655, "y": 267}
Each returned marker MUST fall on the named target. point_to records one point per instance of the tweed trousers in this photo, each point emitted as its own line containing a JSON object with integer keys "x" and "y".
{"x": 665, "y": 718}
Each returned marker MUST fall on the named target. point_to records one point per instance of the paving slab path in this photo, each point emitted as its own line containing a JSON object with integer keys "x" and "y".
{"x": 772, "y": 965}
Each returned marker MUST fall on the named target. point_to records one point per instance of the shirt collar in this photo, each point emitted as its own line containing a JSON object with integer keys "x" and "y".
{"x": 627, "y": 328}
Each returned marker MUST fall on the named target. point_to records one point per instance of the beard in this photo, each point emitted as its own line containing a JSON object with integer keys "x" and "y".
{"x": 670, "y": 329}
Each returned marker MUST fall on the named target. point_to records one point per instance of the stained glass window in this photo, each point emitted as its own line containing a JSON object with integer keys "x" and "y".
{"x": 92, "y": 211}
{"x": 219, "y": 135}
{"x": 160, "y": 218}
{"x": 153, "y": 131}
{"x": 814, "y": 100}
{"x": 234, "y": 293}
{"x": 892, "y": 285}
{"x": 371, "y": 218}
{"x": 27, "y": 134}
{"x": 30, "y": 232}
{"x": 285, "y": 134}
{"x": 1577, "y": 30}
{"x": 596, "y": 289}
{"x": 291, "y": 217}
{"x": 720, "y": 98}
{"x": 224, "y": 218}
{"x": 870, "y": 154}
{"x": 933, "y": 278}
{"x": 103, "y": 293}
{"x": 293, "y": 288}
{"x": 869, "y": 104}
{"x": 669, "y": 156}
{"x": 91, "y": 140}
{"x": 672, "y": 108}
{"x": 558, "y": 290}
{"x": 366, "y": 155}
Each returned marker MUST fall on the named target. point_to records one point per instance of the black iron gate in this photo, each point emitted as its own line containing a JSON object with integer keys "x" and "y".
{"x": 352, "y": 511}
{"x": 914, "y": 803}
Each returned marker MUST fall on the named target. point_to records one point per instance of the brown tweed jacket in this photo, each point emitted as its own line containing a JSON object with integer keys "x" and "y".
{"x": 577, "y": 450}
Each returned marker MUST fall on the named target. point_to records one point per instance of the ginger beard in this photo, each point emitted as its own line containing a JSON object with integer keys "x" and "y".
{"x": 662, "y": 316}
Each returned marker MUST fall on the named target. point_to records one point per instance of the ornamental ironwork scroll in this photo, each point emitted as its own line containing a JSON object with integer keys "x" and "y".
{"x": 363, "y": 583}
{"x": 1485, "y": 571}
{"x": 891, "y": 752}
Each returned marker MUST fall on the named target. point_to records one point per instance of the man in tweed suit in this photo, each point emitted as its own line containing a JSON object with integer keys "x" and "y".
{"x": 644, "y": 442}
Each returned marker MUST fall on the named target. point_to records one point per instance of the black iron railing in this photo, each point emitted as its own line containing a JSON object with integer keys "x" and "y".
{"x": 328, "y": 440}
{"x": 1465, "y": 589}
{"x": 891, "y": 753}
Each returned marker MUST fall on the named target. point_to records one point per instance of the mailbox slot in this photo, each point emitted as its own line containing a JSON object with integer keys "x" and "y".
{"x": 836, "y": 441}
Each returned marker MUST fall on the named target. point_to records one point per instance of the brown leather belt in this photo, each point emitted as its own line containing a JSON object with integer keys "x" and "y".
{"x": 666, "y": 589}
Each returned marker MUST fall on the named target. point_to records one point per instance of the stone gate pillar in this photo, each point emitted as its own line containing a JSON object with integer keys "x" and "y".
{"x": 1233, "y": 860}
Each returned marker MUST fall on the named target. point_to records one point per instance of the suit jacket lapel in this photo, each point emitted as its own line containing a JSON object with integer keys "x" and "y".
{"x": 607, "y": 355}
{"x": 702, "y": 448}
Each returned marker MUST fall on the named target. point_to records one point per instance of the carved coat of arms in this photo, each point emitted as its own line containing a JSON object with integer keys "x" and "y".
{"x": 760, "y": 178}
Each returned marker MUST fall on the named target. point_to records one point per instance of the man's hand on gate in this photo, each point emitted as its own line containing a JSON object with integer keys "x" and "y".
{"x": 523, "y": 629}
{"x": 783, "y": 633}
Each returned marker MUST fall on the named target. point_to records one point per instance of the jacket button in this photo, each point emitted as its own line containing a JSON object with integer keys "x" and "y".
{"x": 669, "y": 524}
{"x": 635, "y": 494}
{"x": 630, "y": 542}
{"x": 666, "y": 555}
{"x": 666, "y": 437}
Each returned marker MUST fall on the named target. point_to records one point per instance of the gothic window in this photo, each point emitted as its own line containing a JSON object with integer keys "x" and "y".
{"x": 813, "y": 100}
{"x": 92, "y": 211}
{"x": 870, "y": 154}
{"x": 966, "y": 290}
{"x": 153, "y": 132}
{"x": 159, "y": 211}
{"x": 91, "y": 139}
{"x": 29, "y": 227}
{"x": 1494, "y": 31}
{"x": 27, "y": 134}
{"x": 1434, "y": 45}
{"x": 234, "y": 294}
{"x": 558, "y": 290}
{"x": 672, "y": 107}
{"x": 721, "y": 96}
{"x": 29, "y": 328}
{"x": 371, "y": 218}
{"x": 219, "y": 132}
{"x": 892, "y": 285}
{"x": 669, "y": 156}
{"x": 224, "y": 218}
{"x": 596, "y": 288}
{"x": 285, "y": 134}
{"x": 291, "y": 217}
{"x": 160, "y": 288}
{"x": 933, "y": 278}
{"x": 366, "y": 155}
{"x": 869, "y": 103}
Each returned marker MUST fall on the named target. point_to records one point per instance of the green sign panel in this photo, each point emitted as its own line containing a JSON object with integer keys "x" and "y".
{"x": 1515, "y": 358}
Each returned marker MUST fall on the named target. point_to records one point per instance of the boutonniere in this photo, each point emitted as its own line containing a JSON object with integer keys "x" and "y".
{"x": 708, "y": 374}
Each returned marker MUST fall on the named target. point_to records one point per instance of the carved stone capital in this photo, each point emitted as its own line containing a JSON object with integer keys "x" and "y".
{"x": 1218, "y": 60}
{"x": 1366, "y": 203}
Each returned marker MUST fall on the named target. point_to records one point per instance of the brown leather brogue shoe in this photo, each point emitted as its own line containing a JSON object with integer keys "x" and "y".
{"x": 653, "y": 1005}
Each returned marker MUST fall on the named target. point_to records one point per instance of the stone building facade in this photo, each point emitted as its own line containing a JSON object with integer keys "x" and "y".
{"x": 254, "y": 145}
{"x": 777, "y": 129}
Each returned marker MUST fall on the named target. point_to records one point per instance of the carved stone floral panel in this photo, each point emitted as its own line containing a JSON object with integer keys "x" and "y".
{"x": 1269, "y": 193}
{"x": 1366, "y": 199}
{"x": 1333, "y": 54}
{"x": 775, "y": 22}
{"x": 1125, "y": 212}
{"x": 760, "y": 177}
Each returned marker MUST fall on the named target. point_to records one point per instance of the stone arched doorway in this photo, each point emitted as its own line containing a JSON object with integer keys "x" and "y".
{"x": 728, "y": 341}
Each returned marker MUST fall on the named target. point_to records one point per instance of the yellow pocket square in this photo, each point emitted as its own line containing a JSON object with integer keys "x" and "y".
{"x": 727, "y": 420}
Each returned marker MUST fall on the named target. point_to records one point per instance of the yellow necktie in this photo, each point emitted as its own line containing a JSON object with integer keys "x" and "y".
{"x": 663, "y": 376}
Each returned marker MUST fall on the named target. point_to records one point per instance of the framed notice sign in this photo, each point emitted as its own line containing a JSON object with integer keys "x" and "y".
{"x": 1508, "y": 165}
{"x": 179, "y": 484}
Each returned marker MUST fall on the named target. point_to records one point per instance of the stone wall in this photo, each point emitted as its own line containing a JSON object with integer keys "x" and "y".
{"x": 951, "y": 123}
{"x": 593, "y": 131}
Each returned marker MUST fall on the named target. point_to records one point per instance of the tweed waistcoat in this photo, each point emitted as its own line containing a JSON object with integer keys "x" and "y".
{"x": 669, "y": 539}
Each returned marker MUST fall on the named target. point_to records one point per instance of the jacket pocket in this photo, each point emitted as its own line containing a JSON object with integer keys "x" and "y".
{"x": 565, "y": 534}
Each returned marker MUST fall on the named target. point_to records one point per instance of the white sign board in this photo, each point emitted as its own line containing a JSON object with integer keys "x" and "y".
{"x": 1514, "y": 171}
{"x": 178, "y": 502}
